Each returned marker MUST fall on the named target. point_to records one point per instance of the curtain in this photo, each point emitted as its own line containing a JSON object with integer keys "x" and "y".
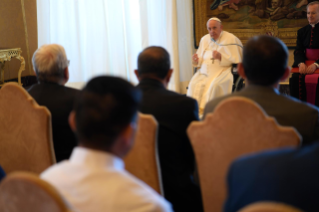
{"x": 105, "y": 36}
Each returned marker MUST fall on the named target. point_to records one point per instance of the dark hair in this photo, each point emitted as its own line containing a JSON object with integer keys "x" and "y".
{"x": 104, "y": 108}
{"x": 155, "y": 61}
{"x": 264, "y": 60}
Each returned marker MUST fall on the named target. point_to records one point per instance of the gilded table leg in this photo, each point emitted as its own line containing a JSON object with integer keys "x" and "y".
{"x": 22, "y": 68}
{"x": 2, "y": 71}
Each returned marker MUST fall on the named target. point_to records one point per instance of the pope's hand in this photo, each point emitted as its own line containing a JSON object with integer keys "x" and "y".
{"x": 195, "y": 59}
{"x": 302, "y": 68}
{"x": 217, "y": 55}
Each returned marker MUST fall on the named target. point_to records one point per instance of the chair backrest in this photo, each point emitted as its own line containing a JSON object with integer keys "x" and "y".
{"x": 238, "y": 126}
{"x": 23, "y": 191}
{"x": 25, "y": 132}
{"x": 143, "y": 161}
{"x": 269, "y": 207}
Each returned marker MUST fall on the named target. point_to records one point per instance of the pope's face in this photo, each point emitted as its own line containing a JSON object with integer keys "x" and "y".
{"x": 313, "y": 14}
{"x": 214, "y": 29}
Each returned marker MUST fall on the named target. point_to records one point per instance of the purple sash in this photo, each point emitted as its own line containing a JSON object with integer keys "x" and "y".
{"x": 311, "y": 80}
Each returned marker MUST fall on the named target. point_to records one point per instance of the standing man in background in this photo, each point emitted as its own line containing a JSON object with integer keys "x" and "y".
{"x": 214, "y": 61}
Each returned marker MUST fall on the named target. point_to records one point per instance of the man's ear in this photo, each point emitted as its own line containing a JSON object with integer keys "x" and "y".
{"x": 286, "y": 74}
{"x": 241, "y": 70}
{"x": 72, "y": 121}
{"x": 168, "y": 76}
{"x": 136, "y": 74}
{"x": 123, "y": 146}
{"x": 66, "y": 75}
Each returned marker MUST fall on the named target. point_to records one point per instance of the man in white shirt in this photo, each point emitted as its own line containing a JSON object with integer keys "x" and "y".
{"x": 94, "y": 179}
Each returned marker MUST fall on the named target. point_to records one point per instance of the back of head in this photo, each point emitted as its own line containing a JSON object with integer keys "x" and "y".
{"x": 264, "y": 60}
{"x": 105, "y": 107}
{"x": 49, "y": 63}
{"x": 154, "y": 61}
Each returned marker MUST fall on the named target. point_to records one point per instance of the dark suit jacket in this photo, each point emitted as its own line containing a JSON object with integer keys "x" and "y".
{"x": 290, "y": 176}
{"x": 59, "y": 100}
{"x": 173, "y": 112}
{"x": 286, "y": 110}
{"x": 2, "y": 173}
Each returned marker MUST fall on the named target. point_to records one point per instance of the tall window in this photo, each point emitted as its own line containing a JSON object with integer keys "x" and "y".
{"x": 106, "y": 36}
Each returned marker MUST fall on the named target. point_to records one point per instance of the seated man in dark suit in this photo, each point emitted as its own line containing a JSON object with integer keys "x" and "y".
{"x": 289, "y": 176}
{"x": 174, "y": 112}
{"x": 51, "y": 67}
{"x": 264, "y": 66}
{"x": 2, "y": 173}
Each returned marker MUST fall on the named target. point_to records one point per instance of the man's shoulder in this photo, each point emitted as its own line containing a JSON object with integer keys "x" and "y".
{"x": 46, "y": 91}
{"x": 297, "y": 104}
{"x": 171, "y": 97}
{"x": 304, "y": 29}
{"x": 230, "y": 35}
{"x": 139, "y": 194}
{"x": 179, "y": 96}
{"x": 53, "y": 173}
{"x": 205, "y": 39}
{"x": 211, "y": 105}
{"x": 207, "y": 36}
{"x": 52, "y": 87}
{"x": 291, "y": 158}
{"x": 124, "y": 190}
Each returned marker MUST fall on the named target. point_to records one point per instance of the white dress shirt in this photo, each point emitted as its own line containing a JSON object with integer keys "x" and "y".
{"x": 97, "y": 181}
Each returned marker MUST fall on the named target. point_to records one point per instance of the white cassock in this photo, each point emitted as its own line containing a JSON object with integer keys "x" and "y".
{"x": 214, "y": 79}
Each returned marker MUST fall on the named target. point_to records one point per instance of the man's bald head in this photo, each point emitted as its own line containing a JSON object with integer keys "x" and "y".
{"x": 153, "y": 61}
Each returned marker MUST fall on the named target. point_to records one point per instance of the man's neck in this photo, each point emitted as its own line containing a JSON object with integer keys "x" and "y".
{"x": 84, "y": 145}
{"x": 274, "y": 86}
{"x": 162, "y": 81}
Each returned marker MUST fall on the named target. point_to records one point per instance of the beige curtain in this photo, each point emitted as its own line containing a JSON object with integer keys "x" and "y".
{"x": 106, "y": 36}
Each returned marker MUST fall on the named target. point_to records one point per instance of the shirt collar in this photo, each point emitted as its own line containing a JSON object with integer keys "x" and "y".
{"x": 220, "y": 35}
{"x": 150, "y": 81}
{"x": 262, "y": 88}
{"x": 313, "y": 25}
{"x": 95, "y": 158}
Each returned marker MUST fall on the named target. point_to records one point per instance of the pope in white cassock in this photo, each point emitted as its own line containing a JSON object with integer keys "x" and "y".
{"x": 214, "y": 78}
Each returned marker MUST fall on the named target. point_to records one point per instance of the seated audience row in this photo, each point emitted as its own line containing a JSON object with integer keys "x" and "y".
{"x": 104, "y": 121}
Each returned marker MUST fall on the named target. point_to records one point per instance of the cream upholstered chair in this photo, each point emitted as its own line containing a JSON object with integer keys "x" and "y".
{"x": 23, "y": 191}
{"x": 269, "y": 207}
{"x": 238, "y": 126}
{"x": 25, "y": 132}
{"x": 142, "y": 161}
